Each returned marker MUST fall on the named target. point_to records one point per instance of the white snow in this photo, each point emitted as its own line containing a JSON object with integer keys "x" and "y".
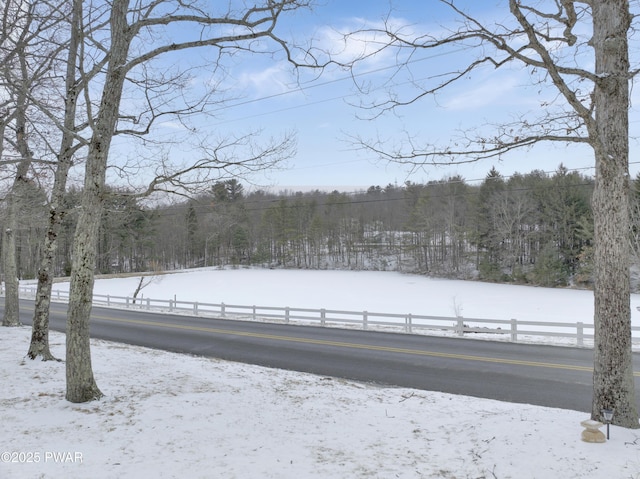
{"x": 174, "y": 416}
{"x": 381, "y": 292}
{"x": 359, "y": 291}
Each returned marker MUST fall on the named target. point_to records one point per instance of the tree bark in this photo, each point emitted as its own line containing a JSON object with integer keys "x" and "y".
{"x": 81, "y": 385}
{"x": 39, "y": 345}
{"x": 11, "y": 296}
{"x": 613, "y": 382}
{"x": 16, "y": 195}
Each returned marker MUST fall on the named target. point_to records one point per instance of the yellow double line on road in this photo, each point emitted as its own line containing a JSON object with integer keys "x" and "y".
{"x": 341, "y": 344}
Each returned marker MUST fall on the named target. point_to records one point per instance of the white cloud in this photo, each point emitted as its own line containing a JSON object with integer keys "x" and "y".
{"x": 362, "y": 39}
{"x": 271, "y": 80}
{"x": 494, "y": 90}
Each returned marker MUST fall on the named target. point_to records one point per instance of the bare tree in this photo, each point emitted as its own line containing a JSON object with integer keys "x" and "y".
{"x": 246, "y": 29}
{"x": 70, "y": 143}
{"x": 17, "y": 19}
{"x": 552, "y": 40}
{"x": 22, "y": 70}
{"x": 40, "y": 39}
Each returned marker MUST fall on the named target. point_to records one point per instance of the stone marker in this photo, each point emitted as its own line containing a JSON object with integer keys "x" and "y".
{"x": 592, "y": 432}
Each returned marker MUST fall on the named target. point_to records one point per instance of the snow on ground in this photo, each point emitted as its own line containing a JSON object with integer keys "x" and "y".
{"x": 380, "y": 292}
{"x": 362, "y": 291}
{"x": 173, "y": 416}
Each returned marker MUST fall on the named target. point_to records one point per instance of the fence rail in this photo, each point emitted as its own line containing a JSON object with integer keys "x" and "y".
{"x": 514, "y": 330}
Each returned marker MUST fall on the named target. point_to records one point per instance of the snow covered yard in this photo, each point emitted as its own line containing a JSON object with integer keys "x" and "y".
{"x": 172, "y": 416}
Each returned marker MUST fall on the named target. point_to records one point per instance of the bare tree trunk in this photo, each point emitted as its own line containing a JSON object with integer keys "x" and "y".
{"x": 10, "y": 265}
{"x": 81, "y": 385}
{"x": 613, "y": 382}
{"x": 39, "y": 345}
{"x": 12, "y": 300}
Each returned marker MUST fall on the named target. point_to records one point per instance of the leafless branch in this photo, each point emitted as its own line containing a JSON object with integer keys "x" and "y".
{"x": 228, "y": 158}
{"x": 539, "y": 39}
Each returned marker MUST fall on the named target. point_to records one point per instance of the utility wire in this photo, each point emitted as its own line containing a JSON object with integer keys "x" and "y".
{"x": 310, "y": 86}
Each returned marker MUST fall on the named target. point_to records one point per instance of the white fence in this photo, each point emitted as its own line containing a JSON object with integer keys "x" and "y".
{"x": 580, "y": 334}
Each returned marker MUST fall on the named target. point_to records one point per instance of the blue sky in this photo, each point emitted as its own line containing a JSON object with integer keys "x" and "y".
{"x": 324, "y": 113}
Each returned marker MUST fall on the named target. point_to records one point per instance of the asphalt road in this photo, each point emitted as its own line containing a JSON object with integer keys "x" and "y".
{"x": 531, "y": 374}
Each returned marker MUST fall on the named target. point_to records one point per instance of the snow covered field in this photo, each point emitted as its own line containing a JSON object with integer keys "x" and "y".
{"x": 173, "y": 416}
{"x": 381, "y": 292}
{"x": 362, "y": 290}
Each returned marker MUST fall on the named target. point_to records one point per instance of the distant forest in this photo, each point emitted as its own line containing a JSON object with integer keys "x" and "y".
{"x": 533, "y": 228}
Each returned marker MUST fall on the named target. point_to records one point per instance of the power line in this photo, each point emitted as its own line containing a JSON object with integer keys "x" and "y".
{"x": 311, "y": 86}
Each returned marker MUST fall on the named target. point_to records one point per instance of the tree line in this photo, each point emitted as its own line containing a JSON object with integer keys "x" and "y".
{"x": 533, "y": 228}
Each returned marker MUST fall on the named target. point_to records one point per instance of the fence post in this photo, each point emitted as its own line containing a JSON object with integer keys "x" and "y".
{"x": 365, "y": 320}
{"x": 514, "y": 330}
{"x": 195, "y": 308}
{"x": 323, "y": 316}
{"x": 108, "y": 300}
{"x": 580, "y": 333}
{"x": 254, "y": 312}
{"x": 148, "y": 304}
{"x": 286, "y": 314}
{"x": 460, "y": 326}
{"x": 408, "y": 323}
{"x": 222, "y": 310}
